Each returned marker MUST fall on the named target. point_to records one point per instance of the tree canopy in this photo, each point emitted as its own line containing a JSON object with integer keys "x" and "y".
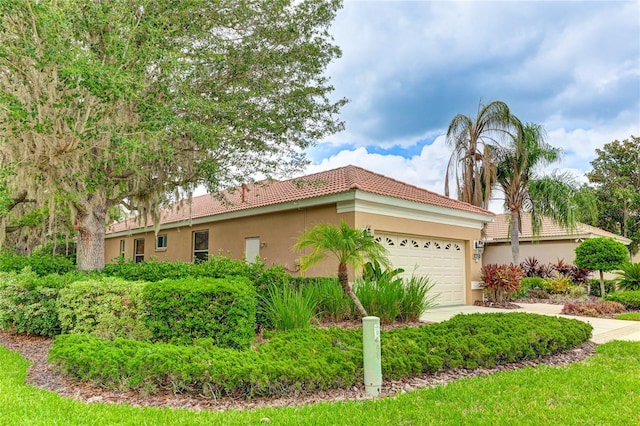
{"x": 616, "y": 179}
{"x": 525, "y": 189}
{"x": 601, "y": 254}
{"x": 124, "y": 102}
{"x": 471, "y": 140}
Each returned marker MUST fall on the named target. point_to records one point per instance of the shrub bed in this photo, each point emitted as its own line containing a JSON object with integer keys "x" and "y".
{"x": 216, "y": 267}
{"x": 107, "y": 307}
{"x": 28, "y": 302}
{"x": 296, "y": 361}
{"x": 630, "y": 299}
{"x": 41, "y": 265}
{"x": 179, "y": 311}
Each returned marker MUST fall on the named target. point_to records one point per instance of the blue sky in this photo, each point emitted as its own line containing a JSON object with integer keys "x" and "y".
{"x": 408, "y": 67}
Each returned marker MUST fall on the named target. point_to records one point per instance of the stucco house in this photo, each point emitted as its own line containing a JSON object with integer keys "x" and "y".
{"x": 552, "y": 244}
{"x": 425, "y": 233}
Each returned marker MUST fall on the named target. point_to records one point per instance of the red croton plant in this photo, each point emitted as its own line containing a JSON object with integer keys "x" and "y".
{"x": 500, "y": 281}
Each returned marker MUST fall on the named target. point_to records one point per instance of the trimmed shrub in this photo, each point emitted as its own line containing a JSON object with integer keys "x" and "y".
{"x": 630, "y": 299}
{"x": 315, "y": 359}
{"x": 526, "y": 284}
{"x": 107, "y": 307}
{"x": 179, "y": 311}
{"x": 28, "y": 303}
{"x": 41, "y": 265}
{"x": 592, "y": 309}
{"x": 215, "y": 267}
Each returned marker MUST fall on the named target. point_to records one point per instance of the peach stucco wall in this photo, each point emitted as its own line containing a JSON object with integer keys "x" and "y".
{"x": 279, "y": 231}
{"x": 545, "y": 252}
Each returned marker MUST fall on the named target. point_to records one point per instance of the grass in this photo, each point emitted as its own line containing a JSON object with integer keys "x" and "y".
{"x": 602, "y": 390}
{"x": 629, "y": 316}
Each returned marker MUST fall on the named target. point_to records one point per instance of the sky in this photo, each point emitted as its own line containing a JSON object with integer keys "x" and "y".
{"x": 408, "y": 67}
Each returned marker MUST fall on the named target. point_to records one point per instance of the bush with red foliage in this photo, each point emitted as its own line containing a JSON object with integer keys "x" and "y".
{"x": 592, "y": 309}
{"x": 500, "y": 281}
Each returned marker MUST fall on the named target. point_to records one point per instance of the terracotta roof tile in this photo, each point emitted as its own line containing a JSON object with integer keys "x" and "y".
{"x": 499, "y": 230}
{"x": 336, "y": 181}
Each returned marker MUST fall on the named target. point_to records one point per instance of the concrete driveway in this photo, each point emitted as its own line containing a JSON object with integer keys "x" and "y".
{"x": 604, "y": 330}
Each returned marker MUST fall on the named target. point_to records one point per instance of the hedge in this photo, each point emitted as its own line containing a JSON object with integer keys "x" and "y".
{"x": 317, "y": 359}
{"x": 107, "y": 307}
{"x": 41, "y": 265}
{"x": 28, "y": 302}
{"x": 630, "y": 299}
{"x": 179, "y": 311}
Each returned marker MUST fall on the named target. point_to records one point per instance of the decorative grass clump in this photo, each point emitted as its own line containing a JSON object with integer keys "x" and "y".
{"x": 315, "y": 359}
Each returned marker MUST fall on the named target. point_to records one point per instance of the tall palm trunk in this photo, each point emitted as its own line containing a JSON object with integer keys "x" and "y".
{"x": 515, "y": 236}
{"x": 343, "y": 279}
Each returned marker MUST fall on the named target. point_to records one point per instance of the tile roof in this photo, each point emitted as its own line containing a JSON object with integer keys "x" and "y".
{"x": 499, "y": 230}
{"x": 330, "y": 182}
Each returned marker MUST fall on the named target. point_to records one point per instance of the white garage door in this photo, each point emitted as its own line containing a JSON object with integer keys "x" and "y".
{"x": 441, "y": 260}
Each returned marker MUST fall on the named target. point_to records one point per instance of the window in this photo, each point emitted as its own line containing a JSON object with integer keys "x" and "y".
{"x": 200, "y": 246}
{"x": 161, "y": 242}
{"x": 138, "y": 255}
{"x": 121, "y": 248}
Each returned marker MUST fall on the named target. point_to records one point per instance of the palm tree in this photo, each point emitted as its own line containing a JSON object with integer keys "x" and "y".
{"x": 471, "y": 140}
{"x": 555, "y": 195}
{"x": 350, "y": 246}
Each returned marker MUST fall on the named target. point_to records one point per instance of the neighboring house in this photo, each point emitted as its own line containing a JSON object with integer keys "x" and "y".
{"x": 425, "y": 232}
{"x": 552, "y": 244}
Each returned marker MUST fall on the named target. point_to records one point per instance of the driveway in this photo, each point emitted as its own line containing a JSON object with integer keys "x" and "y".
{"x": 604, "y": 330}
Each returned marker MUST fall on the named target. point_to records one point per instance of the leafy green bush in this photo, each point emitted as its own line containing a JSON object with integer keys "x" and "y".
{"x": 526, "y": 284}
{"x": 289, "y": 309}
{"x": 215, "y": 267}
{"x": 303, "y": 360}
{"x": 628, "y": 278}
{"x": 107, "y": 307}
{"x": 41, "y": 265}
{"x": 630, "y": 299}
{"x": 28, "y": 302}
{"x": 179, "y": 311}
{"x": 594, "y": 287}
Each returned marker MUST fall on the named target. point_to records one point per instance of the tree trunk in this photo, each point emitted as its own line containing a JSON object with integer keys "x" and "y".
{"x": 601, "y": 283}
{"x": 343, "y": 278}
{"x": 515, "y": 236}
{"x": 91, "y": 226}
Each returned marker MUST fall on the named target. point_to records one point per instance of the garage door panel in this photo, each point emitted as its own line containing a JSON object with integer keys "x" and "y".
{"x": 442, "y": 260}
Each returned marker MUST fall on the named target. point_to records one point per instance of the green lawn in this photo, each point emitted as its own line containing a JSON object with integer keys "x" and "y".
{"x": 603, "y": 390}
{"x": 630, "y": 316}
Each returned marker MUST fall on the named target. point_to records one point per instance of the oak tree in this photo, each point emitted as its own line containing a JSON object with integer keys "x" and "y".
{"x": 121, "y": 102}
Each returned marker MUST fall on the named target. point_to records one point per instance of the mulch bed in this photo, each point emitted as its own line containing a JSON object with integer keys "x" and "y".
{"x": 42, "y": 375}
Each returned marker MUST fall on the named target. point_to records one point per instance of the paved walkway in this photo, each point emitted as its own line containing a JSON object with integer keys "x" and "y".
{"x": 604, "y": 330}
